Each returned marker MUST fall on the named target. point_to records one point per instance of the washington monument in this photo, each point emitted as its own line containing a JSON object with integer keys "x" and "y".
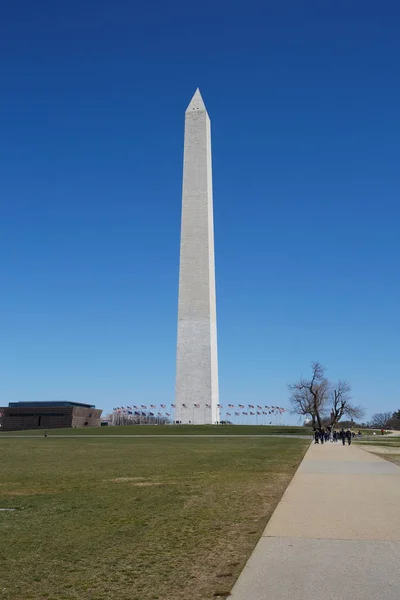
{"x": 197, "y": 362}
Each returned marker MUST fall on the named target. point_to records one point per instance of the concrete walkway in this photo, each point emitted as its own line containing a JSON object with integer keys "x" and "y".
{"x": 335, "y": 533}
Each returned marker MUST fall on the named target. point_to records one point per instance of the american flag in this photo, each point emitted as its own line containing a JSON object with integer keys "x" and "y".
{"x": 267, "y": 407}
{"x": 259, "y": 413}
{"x": 251, "y": 405}
{"x": 184, "y": 405}
{"x": 136, "y": 407}
{"x": 172, "y": 405}
{"x": 168, "y": 415}
{"x": 153, "y": 406}
{"x": 259, "y": 407}
{"x": 159, "y": 414}
{"x": 196, "y": 405}
{"x": 143, "y": 406}
{"x": 252, "y": 413}
{"x": 231, "y": 406}
{"x": 219, "y": 406}
{"x": 245, "y": 413}
{"x": 163, "y": 405}
{"x": 241, "y": 405}
{"x": 237, "y": 414}
{"x": 208, "y": 405}
{"x": 228, "y": 414}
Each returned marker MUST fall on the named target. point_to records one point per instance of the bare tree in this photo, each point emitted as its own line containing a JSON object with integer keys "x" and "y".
{"x": 301, "y": 401}
{"x": 341, "y": 404}
{"x": 309, "y": 396}
{"x": 394, "y": 422}
{"x": 381, "y": 420}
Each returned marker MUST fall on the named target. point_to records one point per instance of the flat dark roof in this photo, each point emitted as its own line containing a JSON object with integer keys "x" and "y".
{"x": 45, "y": 403}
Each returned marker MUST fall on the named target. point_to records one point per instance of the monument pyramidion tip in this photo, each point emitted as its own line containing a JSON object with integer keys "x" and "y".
{"x": 196, "y": 103}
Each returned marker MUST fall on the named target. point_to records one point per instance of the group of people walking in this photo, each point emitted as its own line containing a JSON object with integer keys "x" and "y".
{"x": 331, "y": 435}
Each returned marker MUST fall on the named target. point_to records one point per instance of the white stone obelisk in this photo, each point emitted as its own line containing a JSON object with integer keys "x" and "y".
{"x": 196, "y": 398}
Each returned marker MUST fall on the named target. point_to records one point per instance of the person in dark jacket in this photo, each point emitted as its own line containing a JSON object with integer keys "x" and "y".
{"x": 342, "y": 435}
{"x": 348, "y": 436}
{"x": 335, "y": 436}
{"x": 316, "y": 436}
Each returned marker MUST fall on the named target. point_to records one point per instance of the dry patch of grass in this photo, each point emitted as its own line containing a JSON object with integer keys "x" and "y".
{"x": 102, "y": 521}
{"x": 122, "y": 479}
{"x": 387, "y": 449}
{"x": 381, "y": 449}
{"x": 149, "y": 483}
{"x": 394, "y": 457}
{"x": 133, "y": 481}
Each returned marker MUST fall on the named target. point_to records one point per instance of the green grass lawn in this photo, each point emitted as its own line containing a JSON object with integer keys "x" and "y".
{"x": 377, "y": 432}
{"x": 172, "y": 430}
{"x": 135, "y": 519}
{"x": 381, "y": 441}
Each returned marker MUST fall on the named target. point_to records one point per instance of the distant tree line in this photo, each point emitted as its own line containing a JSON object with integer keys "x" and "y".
{"x": 322, "y": 401}
{"x": 386, "y": 420}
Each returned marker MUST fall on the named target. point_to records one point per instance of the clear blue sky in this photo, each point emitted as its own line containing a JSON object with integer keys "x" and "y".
{"x": 304, "y": 104}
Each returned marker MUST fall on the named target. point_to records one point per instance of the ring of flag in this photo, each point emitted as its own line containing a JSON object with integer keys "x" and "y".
{"x": 159, "y": 411}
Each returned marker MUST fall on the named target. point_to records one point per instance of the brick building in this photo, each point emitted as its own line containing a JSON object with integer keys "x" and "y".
{"x": 48, "y": 415}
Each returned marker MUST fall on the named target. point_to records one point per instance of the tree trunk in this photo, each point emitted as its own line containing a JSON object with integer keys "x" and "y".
{"x": 318, "y": 419}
